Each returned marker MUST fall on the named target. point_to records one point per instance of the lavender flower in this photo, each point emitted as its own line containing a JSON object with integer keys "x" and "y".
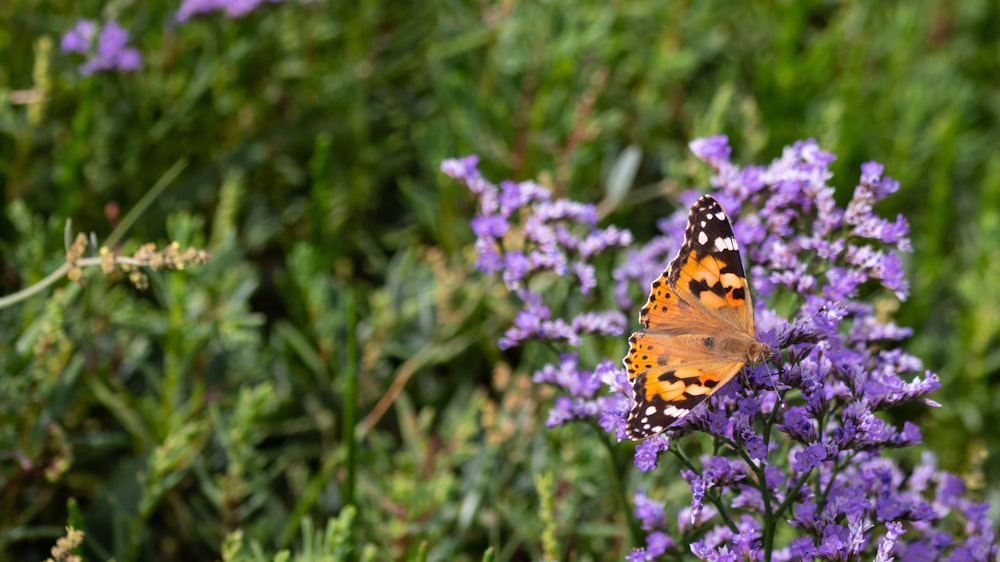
{"x": 893, "y": 531}
{"x": 526, "y": 235}
{"x": 658, "y": 541}
{"x": 722, "y": 543}
{"x": 80, "y": 39}
{"x": 649, "y": 450}
{"x": 799, "y": 445}
{"x": 112, "y": 51}
{"x": 649, "y": 512}
{"x": 232, "y": 8}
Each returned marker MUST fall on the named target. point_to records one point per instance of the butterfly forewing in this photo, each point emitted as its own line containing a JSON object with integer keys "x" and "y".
{"x": 708, "y": 270}
{"x": 698, "y": 324}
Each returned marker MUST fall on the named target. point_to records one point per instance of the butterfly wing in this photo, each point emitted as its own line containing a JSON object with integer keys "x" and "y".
{"x": 673, "y": 374}
{"x": 708, "y": 270}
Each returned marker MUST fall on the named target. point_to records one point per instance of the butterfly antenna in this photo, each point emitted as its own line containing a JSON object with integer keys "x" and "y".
{"x": 779, "y": 372}
{"x": 779, "y": 399}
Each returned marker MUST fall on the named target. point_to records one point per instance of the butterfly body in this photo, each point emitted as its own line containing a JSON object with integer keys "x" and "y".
{"x": 698, "y": 326}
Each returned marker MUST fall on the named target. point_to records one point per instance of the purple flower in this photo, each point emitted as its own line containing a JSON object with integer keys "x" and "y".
{"x": 802, "y": 548}
{"x": 893, "y": 531}
{"x": 647, "y": 452}
{"x": 834, "y": 545}
{"x": 806, "y": 518}
{"x": 811, "y": 457}
{"x": 747, "y": 541}
{"x": 698, "y": 488}
{"x": 613, "y": 416}
{"x": 112, "y": 51}
{"x": 608, "y": 323}
{"x": 638, "y": 555}
{"x": 494, "y": 226}
{"x": 657, "y": 544}
{"x": 568, "y": 376}
{"x": 719, "y": 554}
{"x": 555, "y": 236}
{"x": 600, "y": 240}
{"x": 80, "y": 39}
{"x": 465, "y": 170}
{"x": 649, "y": 512}
{"x": 232, "y": 8}
{"x": 720, "y": 471}
{"x": 719, "y": 423}
{"x": 798, "y": 425}
{"x": 755, "y": 447}
{"x": 640, "y": 267}
{"x": 190, "y": 8}
{"x": 489, "y": 258}
{"x": 533, "y": 323}
{"x": 723, "y": 544}
{"x": 531, "y": 239}
{"x": 714, "y": 150}
{"x": 515, "y": 267}
{"x": 582, "y": 386}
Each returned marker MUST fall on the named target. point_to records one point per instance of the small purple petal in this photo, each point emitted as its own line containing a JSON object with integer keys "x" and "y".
{"x": 80, "y": 38}
{"x": 714, "y": 150}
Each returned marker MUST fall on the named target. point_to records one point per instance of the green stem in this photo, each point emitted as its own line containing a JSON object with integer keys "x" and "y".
{"x": 350, "y": 400}
{"x": 133, "y": 215}
{"x": 27, "y": 292}
{"x": 789, "y": 497}
{"x": 770, "y": 516}
{"x": 635, "y": 533}
{"x": 837, "y": 467}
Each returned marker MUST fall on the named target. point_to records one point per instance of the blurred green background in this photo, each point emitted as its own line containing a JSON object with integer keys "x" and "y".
{"x": 300, "y": 146}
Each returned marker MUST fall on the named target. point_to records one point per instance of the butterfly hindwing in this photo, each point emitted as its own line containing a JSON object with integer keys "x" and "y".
{"x": 671, "y": 375}
{"x": 670, "y": 394}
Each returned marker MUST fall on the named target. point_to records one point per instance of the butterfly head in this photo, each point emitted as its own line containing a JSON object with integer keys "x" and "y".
{"x": 759, "y": 352}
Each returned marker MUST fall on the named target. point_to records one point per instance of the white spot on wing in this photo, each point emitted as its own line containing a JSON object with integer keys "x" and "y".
{"x": 702, "y": 238}
{"x": 725, "y": 244}
{"x": 675, "y": 412}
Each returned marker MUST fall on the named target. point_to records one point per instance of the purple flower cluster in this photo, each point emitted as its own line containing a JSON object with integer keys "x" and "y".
{"x": 582, "y": 386}
{"x": 557, "y": 236}
{"x": 654, "y": 522}
{"x": 799, "y": 442}
{"x": 531, "y": 238}
{"x": 110, "y": 53}
{"x": 232, "y": 8}
{"x": 804, "y": 434}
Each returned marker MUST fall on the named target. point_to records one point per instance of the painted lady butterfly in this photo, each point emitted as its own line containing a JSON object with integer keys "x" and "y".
{"x": 698, "y": 326}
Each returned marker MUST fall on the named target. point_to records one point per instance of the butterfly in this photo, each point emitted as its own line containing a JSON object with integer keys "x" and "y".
{"x": 698, "y": 326}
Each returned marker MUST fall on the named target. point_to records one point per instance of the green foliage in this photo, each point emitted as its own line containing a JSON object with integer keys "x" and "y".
{"x": 332, "y": 544}
{"x": 213, "y": 415}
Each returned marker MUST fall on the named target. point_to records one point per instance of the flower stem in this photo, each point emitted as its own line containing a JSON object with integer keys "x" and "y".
{"x": 635, "y": 533}
{"x": 27, "y": 292}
